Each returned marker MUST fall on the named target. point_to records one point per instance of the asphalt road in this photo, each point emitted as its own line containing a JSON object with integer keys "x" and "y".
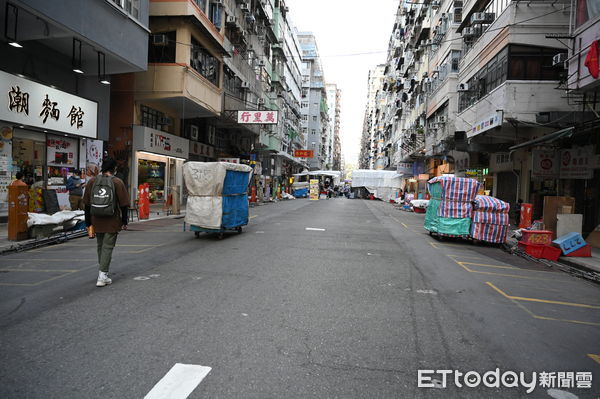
{"x": 316, "y": 299}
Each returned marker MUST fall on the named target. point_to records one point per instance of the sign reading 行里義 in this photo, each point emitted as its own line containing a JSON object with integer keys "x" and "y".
{"x": 155, "y": 141}
{"x": 304, "y": 153}
{"x": 257, "y": 117}
{"x": 486, "y": 124}
{"x": 577, "y": 163}
{"x": 544, "y": 164}
{"x": 29, "y": 103}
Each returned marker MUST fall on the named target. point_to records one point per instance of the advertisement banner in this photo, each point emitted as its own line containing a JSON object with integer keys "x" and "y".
{"x": 577, "y": 163}
{"x": 314, "y": 189}
{"x": 544, "y": 164}
{"x": 304, "y": 153}
{"x": 62, "y": 151}
{"x": 94, "y": 151}
{"x": 405, "y": 168}
{"x": 486, "y": 124}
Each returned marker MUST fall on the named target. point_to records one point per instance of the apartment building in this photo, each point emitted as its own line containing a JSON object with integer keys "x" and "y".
{"x": 56, "y": 73}
{"x": 371, "y": 127}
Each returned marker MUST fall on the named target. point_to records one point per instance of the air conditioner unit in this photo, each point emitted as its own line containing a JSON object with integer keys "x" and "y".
{"x": 559, "y": 58}
{"x": 216, "y": 1}
{"x": 245, "y": 85}
{"x": 435, "y": 4}
{"x": 160, "y": 40}
{"x": 427, "y": 80}
{"x": 231, "y": 20}
{"x": 261, "y": 63}
{"x": 462, "y": 87}
{"x": 482, "y": 18}
{"x": 441, "y": 119}
{"x": 470, "y": 32}
{"x": 261, "y": 101}
{"x": 245, "y": 7}
{"x": 436, "y": 69}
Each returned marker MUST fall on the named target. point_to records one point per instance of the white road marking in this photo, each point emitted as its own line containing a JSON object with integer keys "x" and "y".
{"x": 314, "y": 229}
{"x": 141, "y": 278}
{"x": 154, "y": 275}
{"x": 179, "y": 382}
{"x": 260, "y": 232}
{"x": 432, "y": 292}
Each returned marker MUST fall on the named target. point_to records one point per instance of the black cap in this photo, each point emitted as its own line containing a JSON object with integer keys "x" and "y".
{"x": 109, "y": 165}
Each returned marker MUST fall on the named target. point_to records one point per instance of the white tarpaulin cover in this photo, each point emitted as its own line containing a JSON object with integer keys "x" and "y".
{"x": 204, "y": 182}
{"x": 36, "y": 219}
{"x": 383, "y": 184}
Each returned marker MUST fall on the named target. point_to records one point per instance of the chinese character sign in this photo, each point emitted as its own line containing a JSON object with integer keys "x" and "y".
{"x": 23, "y": 101}
{"x": 258, "y": 117}
{"x": 304, "y": 153}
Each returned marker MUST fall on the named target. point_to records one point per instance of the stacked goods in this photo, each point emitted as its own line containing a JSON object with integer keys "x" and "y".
{"x": 490, "y": 219}
{"x": 450, "y": 208}
{"x": 218, "y": 196}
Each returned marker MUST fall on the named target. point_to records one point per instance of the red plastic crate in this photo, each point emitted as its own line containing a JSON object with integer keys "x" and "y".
{"x": 419, "y": 210}
{"x": 536, "y": 251}
{"x": 536, "y": 237}
{"x": 551, "y": 253}
{"x": 583, "y": 252}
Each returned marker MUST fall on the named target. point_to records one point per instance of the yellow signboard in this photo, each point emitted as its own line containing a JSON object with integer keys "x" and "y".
{"x": 314, "y": 189}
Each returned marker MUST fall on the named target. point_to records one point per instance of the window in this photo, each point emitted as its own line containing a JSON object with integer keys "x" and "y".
{"x": 314, "y": 118}
{"x": 204, "y": 63}
{"x": 131, "y": 7}
{"x": 304, "y": 104}
{"x": 212, "y": 131}
{"x": 165, "y": 51}
{"x": 152, "y": 118}
{"x": 532, "y": 63}
{"x": 201, "y": 4}
{"x": 215, "y": 15}
{"x": 586, "y": 10}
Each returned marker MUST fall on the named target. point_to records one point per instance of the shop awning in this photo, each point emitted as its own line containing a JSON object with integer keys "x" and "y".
{"x": 545, "y": 139}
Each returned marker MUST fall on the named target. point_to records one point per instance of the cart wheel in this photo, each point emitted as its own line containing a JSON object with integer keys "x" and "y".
{"x": 431, "y": 234}
{"x": 197, "y": 234}
{"x": 220, "y": 236}
{"x": 239, "y": 230}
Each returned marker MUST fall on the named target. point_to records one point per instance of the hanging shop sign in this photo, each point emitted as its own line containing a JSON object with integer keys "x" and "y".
{"x": 230, "y": 160}
{"x": 29, "y": 103}
{"x": 252, "y": 117}
{"x": 157, "y": 142}
{"x": 486, "y": 124}
{"x": 304, "y": 153}
{"x": 62, "y": 151}
{"x": 577, "y": 163}
{"x": 544, "y": 164}
{"x": 405, "y": 168}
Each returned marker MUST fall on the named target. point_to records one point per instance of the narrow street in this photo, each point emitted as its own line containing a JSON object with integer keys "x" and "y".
{"x": 315, "y": 299}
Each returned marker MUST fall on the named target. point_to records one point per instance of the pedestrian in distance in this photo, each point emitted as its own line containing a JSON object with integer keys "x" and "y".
{"x": 75, "y": 187}
{"x": 106, "y": 203}
{"x": 19, "y": 180}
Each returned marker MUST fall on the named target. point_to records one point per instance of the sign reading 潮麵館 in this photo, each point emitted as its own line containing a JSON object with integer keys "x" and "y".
{"x": 251, "y": 117}
{"x": 29, "y": 103}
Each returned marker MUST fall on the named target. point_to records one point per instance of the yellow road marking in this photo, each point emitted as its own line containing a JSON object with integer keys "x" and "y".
{"x": 595, "y": 358}
{"x": 520, "y": 298}
{"x": 488, "y": 265}
{"x": 47, "y": 280}
{"x": 404, "y": 224}
{"x": 510, "y": 275}
{"x": 465, "y": 256}
{"x": 252, "y": 217}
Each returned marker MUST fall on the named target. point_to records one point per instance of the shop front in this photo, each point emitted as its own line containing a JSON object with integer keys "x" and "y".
{"x": 158, "y": 159}
{"x": 43, "y": 131}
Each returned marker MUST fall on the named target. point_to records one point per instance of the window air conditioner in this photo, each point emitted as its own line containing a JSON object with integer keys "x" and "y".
{"x": 482, "y": 18}
{"x": 435, "y": 4}
{"x": 160, "y": 40}
{"x": 261, "y": 63}
{"x": 441, "y": 119}
{"x": 217, "y": 1}
{"x": 559, "y": 58}
{"x": 261, "y": 101}
{"x": 231, "y": 20}
{"x": 469, "y": 32}
{"x": 245, "y": 7}
{"x": 245, "y": 85}
{"x": 462, "y": 87}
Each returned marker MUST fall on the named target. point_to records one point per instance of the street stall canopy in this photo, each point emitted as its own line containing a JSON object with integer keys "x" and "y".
{"x": 383, "y": 184}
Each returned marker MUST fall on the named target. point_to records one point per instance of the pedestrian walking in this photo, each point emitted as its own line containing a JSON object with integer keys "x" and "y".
{"x": 106, "y": 202}
{"x": 75, "y": 187}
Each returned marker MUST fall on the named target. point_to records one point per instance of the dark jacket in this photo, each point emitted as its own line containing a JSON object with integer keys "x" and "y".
{"x": 72, "y": 186}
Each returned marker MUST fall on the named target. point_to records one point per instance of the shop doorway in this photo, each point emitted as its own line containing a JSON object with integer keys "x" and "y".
{"x": 153, "y": 173}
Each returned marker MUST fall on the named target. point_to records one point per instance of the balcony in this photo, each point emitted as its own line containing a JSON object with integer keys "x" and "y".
{"x": 189, "y": 8}
{"x": 181, "y": 88}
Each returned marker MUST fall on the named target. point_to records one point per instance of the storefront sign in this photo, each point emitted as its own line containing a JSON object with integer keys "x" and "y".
{"x": 252, "y": 117}
{"x": 405, "y": 168}
{"x": 230, "y": 160}
{"x": 25, "y": 102}
{"x": 202, "y": 149}
{"x": 304, "y": 153}
{"x": 155, "y": 141}
{"x": 544, "y": 164}
{"x": 500, "y": 162}
{"x": 62, "y": 151}
{"x": 314, "y": 189}
{"x": 577, "y": 163}
{"x": 486, "y": 124}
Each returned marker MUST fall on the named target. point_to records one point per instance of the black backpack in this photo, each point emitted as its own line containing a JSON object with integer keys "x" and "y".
{"x": 103, "y": 202}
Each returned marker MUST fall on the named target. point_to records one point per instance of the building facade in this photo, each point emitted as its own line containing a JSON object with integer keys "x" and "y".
{"x": 56, "y": 73}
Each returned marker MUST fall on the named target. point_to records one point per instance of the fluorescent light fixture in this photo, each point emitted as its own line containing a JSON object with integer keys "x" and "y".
{"x": 160, "y": 155}
{"x": 77, "y": 70}
{"x": 15, "y": 44}
{"x": 105, "y": 82}
{"x": 76, "y": 56}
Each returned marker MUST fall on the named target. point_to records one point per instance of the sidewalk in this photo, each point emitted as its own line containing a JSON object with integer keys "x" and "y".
{"x": 156, "y": 212}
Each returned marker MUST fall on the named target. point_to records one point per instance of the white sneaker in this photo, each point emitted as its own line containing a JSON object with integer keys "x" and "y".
{"x": 103, "y": 280}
